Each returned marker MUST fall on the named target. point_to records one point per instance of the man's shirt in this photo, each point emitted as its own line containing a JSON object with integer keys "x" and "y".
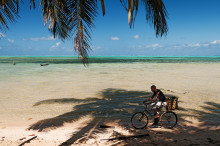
{"x": 161, "y": 96}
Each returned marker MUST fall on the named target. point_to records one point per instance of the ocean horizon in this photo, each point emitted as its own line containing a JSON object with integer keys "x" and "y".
{"x": 102, "y": 56}
{"x": 110, "y": 59}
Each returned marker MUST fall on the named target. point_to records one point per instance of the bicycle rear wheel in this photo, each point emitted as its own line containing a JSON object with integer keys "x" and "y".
{"x": 168, "y": 119}
{"x": 139, "y": 120}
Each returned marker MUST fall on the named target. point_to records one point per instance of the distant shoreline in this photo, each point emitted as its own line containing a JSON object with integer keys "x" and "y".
{"x": 110, "y": 59}
{"x": 114, "y": 56}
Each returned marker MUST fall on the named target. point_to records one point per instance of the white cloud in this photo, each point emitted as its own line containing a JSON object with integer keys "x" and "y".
{"x": 205, "y": 45}
{"x": 197, "y": 45}
{"x": 2, "y": 35}
{"x": 176, "y": 46}
{"x": 215, "y": 42}
{"x": 54, "y": 47}
{"x": 115, "y": 38}
{"x": 194, "y": 45}
{"x": 95, "y": 48}
{"x": 153, "y": 46}
{"x": 200, "y": 45}
{"x": 11, "y": 41}
{"x": 43, "y": 38}
{"x": 24, "y": 39}
{"x": 136, "y": 37}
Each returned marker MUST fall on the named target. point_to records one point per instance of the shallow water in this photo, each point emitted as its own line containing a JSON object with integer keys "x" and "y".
{"x": 65, "y": 90}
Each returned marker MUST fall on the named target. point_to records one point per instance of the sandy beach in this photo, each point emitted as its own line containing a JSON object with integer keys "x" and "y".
{"x": 79, "y": 73}
{"x": 66, "y": 104}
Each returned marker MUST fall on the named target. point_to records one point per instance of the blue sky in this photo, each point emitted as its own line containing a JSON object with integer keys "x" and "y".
{"x": 193, "y": 31}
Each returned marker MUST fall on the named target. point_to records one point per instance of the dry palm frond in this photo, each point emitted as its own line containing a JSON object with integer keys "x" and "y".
{"x": 82, "y": 15}
{"x": 156, "y": 13}
{"x": 55, "y": 12}
{"x": 103, "y": 7}
{"x": 131, "y": 7}
{"x": 72, "y": 17}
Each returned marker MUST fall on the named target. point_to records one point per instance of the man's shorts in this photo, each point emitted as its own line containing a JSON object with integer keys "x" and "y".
{"x": 158, "y": 104}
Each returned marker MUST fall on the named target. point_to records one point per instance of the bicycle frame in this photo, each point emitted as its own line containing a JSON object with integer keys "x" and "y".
{"x": 167, "y": 119}
{"x": 147, "y": 110}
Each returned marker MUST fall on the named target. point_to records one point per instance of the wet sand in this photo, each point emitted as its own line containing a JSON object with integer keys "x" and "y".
{"x": 57, "y": 101}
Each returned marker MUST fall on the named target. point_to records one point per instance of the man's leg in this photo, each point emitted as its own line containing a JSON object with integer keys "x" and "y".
{"x": 158, "y": 108}
{"x": 156, "y": 115}
{"x": 156, "y": 121}
{"x": 154, "y": 107}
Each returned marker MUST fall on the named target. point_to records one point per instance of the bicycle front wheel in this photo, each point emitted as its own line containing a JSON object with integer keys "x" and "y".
{"x": 168, "y": 119}
{"x": 139, "y": 120}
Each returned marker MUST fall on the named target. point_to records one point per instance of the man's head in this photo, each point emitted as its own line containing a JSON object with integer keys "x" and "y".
{"x": 153, "y": 88}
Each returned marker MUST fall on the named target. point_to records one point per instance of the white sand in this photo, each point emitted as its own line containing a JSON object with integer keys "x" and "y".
{"x": 196, "y": 85}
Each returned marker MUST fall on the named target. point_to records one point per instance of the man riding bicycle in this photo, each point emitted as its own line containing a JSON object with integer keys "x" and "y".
{"x": 158, "y": 100}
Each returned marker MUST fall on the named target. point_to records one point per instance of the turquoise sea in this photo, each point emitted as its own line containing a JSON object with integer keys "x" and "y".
{"x": 109, "y": 86}
{"x": 109, "y": 59}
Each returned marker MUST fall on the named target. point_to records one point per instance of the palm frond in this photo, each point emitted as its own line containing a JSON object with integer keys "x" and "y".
{"x": 131, "y": 6}
{"x": 55, "y": 12}
{"x": 71, "y": 17}
{"x": 32, "y": 2}
{"x": 156, "y": 14}
{"x": 83, "y": 13}
{"x": 103, "y": 7}
{"x": 76, "y": 17}
{"x": 8, "y": 12}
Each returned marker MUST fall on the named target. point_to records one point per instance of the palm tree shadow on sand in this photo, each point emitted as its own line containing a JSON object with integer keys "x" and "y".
{"x": 210, "y": 115}
{"x": 115, "y": 105}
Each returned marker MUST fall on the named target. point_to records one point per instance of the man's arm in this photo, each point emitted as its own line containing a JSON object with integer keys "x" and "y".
{"x": 156, "y": 97}
{"x": 149, "y": 98}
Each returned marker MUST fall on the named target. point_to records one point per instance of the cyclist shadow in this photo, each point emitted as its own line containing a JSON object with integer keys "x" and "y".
{"x": 114, "y": 105}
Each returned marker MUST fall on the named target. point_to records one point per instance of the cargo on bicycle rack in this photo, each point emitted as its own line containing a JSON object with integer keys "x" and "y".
{"x": 172, "y": 103}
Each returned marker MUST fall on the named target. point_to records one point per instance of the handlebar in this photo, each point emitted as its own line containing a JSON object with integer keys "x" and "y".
{"x": 147, "y": 103}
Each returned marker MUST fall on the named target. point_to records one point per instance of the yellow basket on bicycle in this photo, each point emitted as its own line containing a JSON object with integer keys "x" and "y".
{"x": 172, "y": 103}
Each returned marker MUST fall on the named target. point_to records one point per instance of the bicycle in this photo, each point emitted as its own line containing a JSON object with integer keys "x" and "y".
{"x": 168, "y": 119}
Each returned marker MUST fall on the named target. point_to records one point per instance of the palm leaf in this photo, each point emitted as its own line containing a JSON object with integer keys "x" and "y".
{"x": 103, "y": 7}
{"x": 83, "y": 13}
{"x": 156, "y": 13}
{"x": 131, "y": 6}
{"x": 55, "y": 11}
{"x": 76, "y": 17}
{"x": 71, "y": 17}
{"x": 8, "y": 12}
{"x": 32, "y": 2}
